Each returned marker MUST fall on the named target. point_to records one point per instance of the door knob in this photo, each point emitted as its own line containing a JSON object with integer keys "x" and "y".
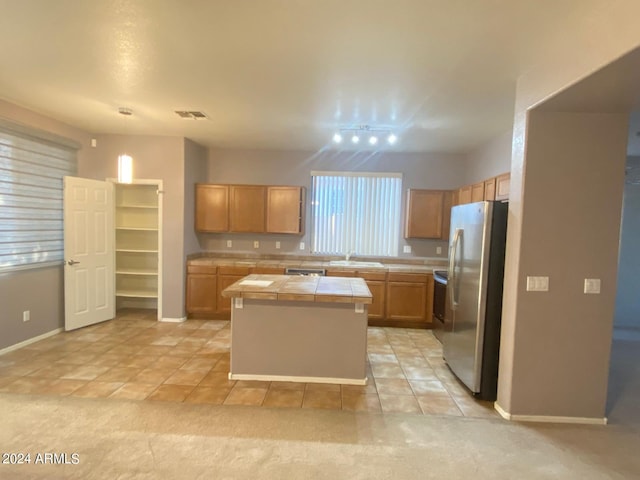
{"x": 71, "y": 262}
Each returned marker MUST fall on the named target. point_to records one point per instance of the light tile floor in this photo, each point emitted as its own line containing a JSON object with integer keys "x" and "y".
{"x": 135, "y": 357}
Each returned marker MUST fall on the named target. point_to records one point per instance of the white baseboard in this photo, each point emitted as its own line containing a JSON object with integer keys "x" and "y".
{"x": 286, "y": 378}
{"x": 172, "y": 320}
{"x": 548, "y": 418}
{"x": 30, "y": 341}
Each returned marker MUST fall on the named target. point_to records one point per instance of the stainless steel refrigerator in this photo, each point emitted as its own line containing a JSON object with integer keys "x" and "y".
{"x": 471, "y": 337}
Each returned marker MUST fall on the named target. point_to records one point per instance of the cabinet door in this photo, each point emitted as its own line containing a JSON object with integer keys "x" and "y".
{"x": 201, "y": 293}
{"x": 503, "y": 182}
{"x": 377, "y": 307}
{"x": 406, "y": 301}
{"x": 424, "y": 214}
{"x": 464, "y": 195}
{"x": 490, "y": 189}
{"x": 212, "y": 208}
{"x": 247, "y": 208}
{"x": 284, "y": 209}
{"x": 223, "y": 303}
{"x": 477, "y": 192}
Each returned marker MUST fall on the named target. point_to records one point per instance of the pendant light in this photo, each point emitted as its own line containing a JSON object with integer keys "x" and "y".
{"x": 125, "y": 162}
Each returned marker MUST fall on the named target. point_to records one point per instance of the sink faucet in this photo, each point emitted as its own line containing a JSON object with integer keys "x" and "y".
{"x": 347, "y": 256}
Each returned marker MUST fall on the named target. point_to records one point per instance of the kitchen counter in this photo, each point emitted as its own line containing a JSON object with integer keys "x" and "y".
{"x": 387, "y": 266}
{"x": 300, "y": 288}
{"x": 299, "y": 329}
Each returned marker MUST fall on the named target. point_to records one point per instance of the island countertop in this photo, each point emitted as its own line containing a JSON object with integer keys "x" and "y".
{"x": 300, "y": 288}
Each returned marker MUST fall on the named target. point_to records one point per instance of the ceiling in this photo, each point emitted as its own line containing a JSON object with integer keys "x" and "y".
{"x": 278, "y": 74}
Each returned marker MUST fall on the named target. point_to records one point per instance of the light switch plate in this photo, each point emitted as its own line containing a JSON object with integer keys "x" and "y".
{"x": 406, "y": 249}
{"x": 359, "y": 307}
{"x": 438, "y": 250}
{"x": 537, "y": 284}
{"x": 301, "y": 245}
{"x": 277, "y": 245}
{"x": 256, "y": 244}
{"x": 592, "y": 285}
{"x": 237, "y": 302}
{"x": 229, "y": 243}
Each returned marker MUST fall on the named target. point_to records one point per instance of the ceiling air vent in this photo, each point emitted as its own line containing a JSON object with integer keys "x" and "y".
{"x": 194, "y": 115}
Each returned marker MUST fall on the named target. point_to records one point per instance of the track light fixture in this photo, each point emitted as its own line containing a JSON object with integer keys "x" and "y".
{"x": 372, "y": 133}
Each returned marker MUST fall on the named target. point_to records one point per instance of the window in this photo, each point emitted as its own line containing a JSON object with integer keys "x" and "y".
{"x": 356, "y": 213}
{"x": 32, "y": 165}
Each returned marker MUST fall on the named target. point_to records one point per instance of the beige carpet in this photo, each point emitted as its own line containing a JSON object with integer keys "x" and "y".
{"x": 154, "y": 440}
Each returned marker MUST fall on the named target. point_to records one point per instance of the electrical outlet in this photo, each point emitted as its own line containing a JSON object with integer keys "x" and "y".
{"x": 277, "y": 245}
{"x": 229, "y": 243}
{"x": 591, "y": 285}
{"x": 301, "y": 245}
{"x": 537, "y": 284}
{"x": 256, "y": 244}
{"x": 406, "y": 249}
{"x": 438, "y": 250}
{"x": 26, "y": 315}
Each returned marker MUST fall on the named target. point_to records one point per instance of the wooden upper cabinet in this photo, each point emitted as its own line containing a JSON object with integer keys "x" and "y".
{"x": 477, "y": 192}
{"x": 503, "y": 183}
{"x": 285, "y": 208}
{"x": 490, "y": 189}
{"x": 247, "y": 208}
{"x": 464, "y": 195}
{"x": 212, "y": 208}
{"x": 424, "y": 213}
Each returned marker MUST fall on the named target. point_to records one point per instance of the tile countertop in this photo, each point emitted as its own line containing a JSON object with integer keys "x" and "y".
{"x": 300, "y": 288}
{"x": 389, "y": 266}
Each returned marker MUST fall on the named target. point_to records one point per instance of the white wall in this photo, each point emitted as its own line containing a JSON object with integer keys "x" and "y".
{"x": 435, "y": 171}
{"x": 601, "y": 33}
{"x": 16, "y": 288}
{"x": 490, "y": 159}
{"x": 628, "y": 295}
{"x": 161, "y": 158}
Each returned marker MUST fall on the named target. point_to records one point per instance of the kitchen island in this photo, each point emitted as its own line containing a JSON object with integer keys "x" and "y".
{"x": 299, "y": 328}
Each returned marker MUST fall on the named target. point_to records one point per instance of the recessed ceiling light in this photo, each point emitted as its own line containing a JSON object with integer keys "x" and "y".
{"x": 373, "y": 139}
{"x": 337, "y": 138}
{"x": 392, "y": 139}
{"x": 355, "y": 138}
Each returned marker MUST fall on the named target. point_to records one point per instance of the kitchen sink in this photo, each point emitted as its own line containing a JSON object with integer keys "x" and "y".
{"x": 353, "y": 263}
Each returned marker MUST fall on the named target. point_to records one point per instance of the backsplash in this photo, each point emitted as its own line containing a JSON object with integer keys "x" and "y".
{"x": 290, "y": 245}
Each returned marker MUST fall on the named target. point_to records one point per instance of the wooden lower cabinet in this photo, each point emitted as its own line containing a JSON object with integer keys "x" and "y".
{"x": 409, "y": 299}
{"x": 399, "y": 299}
{"x": 376, "y": 281}
{"x": 406, "y": 301}
{"x": 202, "y": 290}
{"x": 378, "y": 290}
{"x": 227, "y": 276}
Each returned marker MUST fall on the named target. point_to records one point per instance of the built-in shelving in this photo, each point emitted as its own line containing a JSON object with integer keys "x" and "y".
{"x": 137, "y": 245}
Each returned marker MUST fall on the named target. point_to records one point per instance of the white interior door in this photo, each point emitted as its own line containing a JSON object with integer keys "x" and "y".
{"x": 89, "y": 236}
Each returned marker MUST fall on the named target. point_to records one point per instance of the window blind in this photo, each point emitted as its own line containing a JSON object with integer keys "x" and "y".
{"x": 31, "y": 205}
{"x": 356, "y": 213}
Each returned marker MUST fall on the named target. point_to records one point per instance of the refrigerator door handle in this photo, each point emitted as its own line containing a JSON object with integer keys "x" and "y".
{"x": 452, "y": 267}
